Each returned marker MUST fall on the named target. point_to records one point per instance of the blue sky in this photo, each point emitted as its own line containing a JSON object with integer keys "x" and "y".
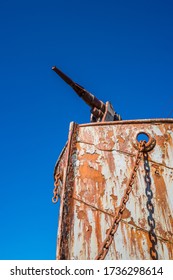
{"x": 119, "y": 50}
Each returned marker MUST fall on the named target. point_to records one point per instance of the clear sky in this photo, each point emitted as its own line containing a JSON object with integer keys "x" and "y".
{"x": 120, "y": 51}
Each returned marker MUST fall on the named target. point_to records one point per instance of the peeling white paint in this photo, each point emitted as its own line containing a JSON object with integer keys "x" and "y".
{"x": 107, "y": 163}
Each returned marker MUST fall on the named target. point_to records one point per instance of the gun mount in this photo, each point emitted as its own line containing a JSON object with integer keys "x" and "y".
{"x": 100, "y": 112}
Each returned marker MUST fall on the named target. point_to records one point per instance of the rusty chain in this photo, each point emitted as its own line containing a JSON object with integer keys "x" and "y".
{"x": 150, "y": 207}
{"x": 112, "y": 230}
{"x": 143, "y": 148}
{"x": 56, "y": 184}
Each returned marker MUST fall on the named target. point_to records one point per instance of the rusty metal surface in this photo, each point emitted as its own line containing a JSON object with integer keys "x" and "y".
{"x": 99, "y": 161}
{"x": 66, "y": 209}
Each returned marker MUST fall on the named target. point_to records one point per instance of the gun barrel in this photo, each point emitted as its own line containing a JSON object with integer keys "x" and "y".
{"x": 63, "y": 76}
{"x": 89, "y": 98}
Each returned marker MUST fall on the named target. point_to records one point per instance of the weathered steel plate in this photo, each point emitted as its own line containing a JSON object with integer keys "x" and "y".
{"x": 97, "y": 164}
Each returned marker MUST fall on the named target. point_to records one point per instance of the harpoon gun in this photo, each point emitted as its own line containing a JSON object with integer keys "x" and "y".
{"x": 100, "y": 112}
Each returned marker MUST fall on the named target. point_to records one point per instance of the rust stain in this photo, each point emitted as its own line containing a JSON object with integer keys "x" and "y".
{"x": 114, "y": 197}
{"x": 109, "y": 136}
{"x": 105, "y": 141}
{"x": 102, "y": 165}
{"x": 160, "y": 140}
{"x": 131, "y": 222}
{"x": 120, "y": 139}
{"x": 88, "y": 232}
{"x": 110, "y": 133}
{"x": 88, "y": 136}
{"x": 98, "y": 229}
{"x": 163, "y": 233}
{"x": 125, "y": 181}
{"x": 167, "y": 137}
{"x": 85, "y": 226}
{"x": 170, "y": 251}
{"x": 88, "y": 157}
{"x": 87, "y": 172}
{"x": 158, "y": 170}
{"x": 142, "y": 222}
{"x": 126, "y": 214}
{"x": 81, "y": 215}
{"x": 110, "y": 162}
{"x": 161, "y": 193}
{"x": 139, "y": 237}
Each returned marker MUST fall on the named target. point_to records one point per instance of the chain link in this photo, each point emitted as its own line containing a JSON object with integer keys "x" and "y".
{"x": 150, "y": 207}
{"x": 142, "y": 150}
{"x": 58, "y": 177}
{"x": 112, "y": 230}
